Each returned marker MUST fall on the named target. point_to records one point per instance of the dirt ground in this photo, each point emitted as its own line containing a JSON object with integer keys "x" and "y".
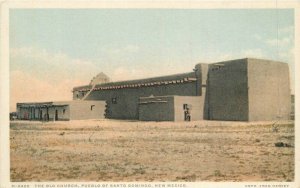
{"x": 112, "y": 150}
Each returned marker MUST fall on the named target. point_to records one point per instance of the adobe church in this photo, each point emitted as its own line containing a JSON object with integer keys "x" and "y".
{"x": 238, "y": 90}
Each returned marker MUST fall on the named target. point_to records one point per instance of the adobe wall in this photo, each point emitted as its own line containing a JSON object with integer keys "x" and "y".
{"x": 156, "y": 109}
{"x": 269, "y": 90}
{"x": 196, "y": 111}
{"x": 227, "y": 91}
{"x": 83, "y": 110}
{"x": 202, "y": 73}
{"x": 126, "y": 106}
{"x": 63, "y": 113}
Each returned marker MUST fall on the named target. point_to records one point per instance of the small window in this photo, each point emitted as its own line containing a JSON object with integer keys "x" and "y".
{"x": 64, "y": 110}
{"x": 77, "y": 96}
{"x": 114, "y": 100}
{"x": 92, "y": 106}
{"x": 185, "y": 106}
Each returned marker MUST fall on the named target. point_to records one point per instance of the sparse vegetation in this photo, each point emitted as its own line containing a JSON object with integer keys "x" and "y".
{"x": 217, "y": 173}
{"x": 151, "y": 151}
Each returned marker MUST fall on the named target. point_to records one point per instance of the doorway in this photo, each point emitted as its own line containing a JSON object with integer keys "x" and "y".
{"x": 187, "y": 112}
{"x": 187, "y": 116}
{"x": 56, "y": 115}
{"x": 41, "y": 115}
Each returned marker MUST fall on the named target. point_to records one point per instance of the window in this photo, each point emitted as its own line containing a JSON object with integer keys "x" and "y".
{"x": 77, "y": 95}
{"x": 184, "y": 106}
{"x": 187, "y": 106}
{"x": 64, "y": 110}
{"x": 92, "y": 106}
{"x": 114, "y": 100}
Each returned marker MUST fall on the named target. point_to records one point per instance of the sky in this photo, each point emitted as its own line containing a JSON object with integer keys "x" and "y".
{"x": 54, "y": 50}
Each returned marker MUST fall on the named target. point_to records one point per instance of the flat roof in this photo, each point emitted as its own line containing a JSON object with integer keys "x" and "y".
{"x": 140, "y": 81}
{"x": 54, "y": 103}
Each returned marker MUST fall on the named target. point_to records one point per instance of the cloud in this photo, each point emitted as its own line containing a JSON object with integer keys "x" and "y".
{"x": 120, "y": 50}
{"x": 257, "y": 37}
{"x": 224, "y": 56}
{"x": 285, "y": 38}
{"x": 53, "y": 67}
{"x": 125, "y": 73}
{"x": 287, "y": 55}
{"x": 282, "y": 49}
{"x": 25, "y": 87}
{"x": 257, "y": 53}
{"x": 37, "y": 75}
{"x": 131, "y": 48}
{"x": 122, "y": 73}
{"x": 282, "y": 42}
{"x": 283, "y": 45}
{"x": 286, "y": 30}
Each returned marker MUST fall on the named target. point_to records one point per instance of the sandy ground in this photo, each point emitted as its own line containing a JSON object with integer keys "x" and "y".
{"x": 111, "y": 150}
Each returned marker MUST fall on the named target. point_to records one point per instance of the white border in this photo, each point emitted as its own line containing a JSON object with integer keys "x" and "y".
{"x": 4, "y": 67}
